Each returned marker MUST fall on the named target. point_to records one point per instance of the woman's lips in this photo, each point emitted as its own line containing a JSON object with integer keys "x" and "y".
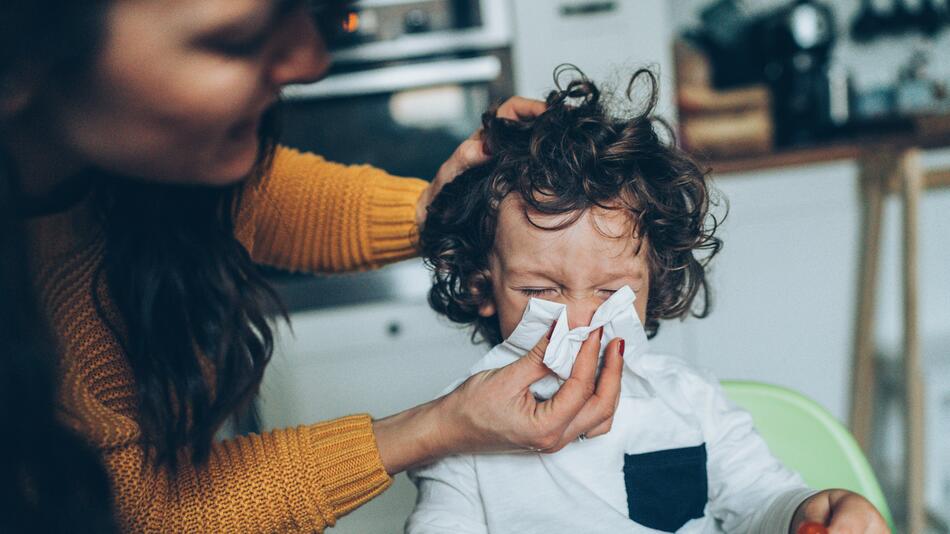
{"x": 250, "y": 125}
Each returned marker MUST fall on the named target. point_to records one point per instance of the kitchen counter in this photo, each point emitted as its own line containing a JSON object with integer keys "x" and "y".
{"x": 836, "y": 150}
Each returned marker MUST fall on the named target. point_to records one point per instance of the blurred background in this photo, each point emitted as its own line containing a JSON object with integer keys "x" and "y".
{"x": 780, "y": 99}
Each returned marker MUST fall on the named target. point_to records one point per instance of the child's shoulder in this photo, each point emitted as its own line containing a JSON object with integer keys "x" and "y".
{"x": 664, "y": 365}
{"x": 670, "y": 375}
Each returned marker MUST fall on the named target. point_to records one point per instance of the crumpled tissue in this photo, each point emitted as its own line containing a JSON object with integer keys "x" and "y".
{"x": 616, "y": 315}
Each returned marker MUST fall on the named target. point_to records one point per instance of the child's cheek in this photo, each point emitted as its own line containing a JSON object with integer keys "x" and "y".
{"x": 510, "y": 312}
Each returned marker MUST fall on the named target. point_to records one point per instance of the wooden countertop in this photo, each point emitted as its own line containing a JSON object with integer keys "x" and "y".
{"x": 830, "y": 151}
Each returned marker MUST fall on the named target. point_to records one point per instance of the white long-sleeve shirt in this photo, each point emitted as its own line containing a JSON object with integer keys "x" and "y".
{"x": 680, "y": 457}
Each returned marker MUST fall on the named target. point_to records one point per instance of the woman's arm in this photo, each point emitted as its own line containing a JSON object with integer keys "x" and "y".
{"x": 311, "y": 215}
{"x": 293, "y": 480}
{"x": 307, "y": 214}
{"x": 305, "y": 478}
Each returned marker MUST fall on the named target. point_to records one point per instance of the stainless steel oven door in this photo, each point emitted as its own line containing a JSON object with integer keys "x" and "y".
{"x": 404, "y": 118}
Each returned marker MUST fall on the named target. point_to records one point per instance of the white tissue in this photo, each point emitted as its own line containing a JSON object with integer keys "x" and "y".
{"x": 616, "y": 315}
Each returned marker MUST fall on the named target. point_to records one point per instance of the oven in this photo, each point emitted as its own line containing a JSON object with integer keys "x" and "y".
{"x": 409, "y": 82}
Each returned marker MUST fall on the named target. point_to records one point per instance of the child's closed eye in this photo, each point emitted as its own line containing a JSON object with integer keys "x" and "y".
{"x": 550, "y": 291}
{"x": 537, "y": 291}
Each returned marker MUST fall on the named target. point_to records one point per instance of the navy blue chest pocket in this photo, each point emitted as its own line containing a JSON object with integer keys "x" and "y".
{"x": 666, "y": 489}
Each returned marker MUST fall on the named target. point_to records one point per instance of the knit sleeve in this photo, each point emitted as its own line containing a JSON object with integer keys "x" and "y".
{"x": 311, "y": 215}
{"x": 294, "y": 480}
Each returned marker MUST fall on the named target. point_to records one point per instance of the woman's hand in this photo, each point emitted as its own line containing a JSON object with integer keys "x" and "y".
{"x": 472, "y": 153}
{"x": 842, "y": 511}
{"x": 496, "y": 411}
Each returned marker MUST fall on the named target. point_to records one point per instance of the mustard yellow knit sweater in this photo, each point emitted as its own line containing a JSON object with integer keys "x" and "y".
{"x": 307, "y": 215}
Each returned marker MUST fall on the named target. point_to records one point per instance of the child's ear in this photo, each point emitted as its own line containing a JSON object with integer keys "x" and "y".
{"x": 487, "y": 308}
{"x": 481, "y": 287}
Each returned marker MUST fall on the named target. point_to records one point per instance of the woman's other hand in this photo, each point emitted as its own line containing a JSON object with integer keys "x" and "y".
{"x": 472, "y": 153}
{"x": 495, "y": 411}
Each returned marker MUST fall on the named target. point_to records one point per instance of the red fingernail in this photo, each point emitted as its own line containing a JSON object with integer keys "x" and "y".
{"x": 812, "y": 527}
{"x": 623, "y": 345}
{"x": 551, "y": 330}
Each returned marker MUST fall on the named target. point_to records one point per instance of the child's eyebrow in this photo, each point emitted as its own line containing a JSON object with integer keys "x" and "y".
{"x": 527, "y": 273}
{"x": 610, "y": 275}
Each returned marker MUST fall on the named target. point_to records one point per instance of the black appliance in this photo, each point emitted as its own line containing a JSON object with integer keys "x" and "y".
{"x": 789, "y": 48}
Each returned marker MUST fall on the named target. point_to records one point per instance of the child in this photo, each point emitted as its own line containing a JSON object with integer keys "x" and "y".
{"x": 584, "y": 224}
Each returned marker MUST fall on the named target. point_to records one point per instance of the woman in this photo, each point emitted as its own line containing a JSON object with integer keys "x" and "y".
{"x": 133, "y": 126}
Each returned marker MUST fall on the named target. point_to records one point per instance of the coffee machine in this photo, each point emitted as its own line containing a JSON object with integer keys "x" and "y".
{"x": 788, "y": 48}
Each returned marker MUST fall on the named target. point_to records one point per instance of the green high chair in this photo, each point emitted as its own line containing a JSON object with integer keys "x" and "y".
{"x": 807, "y": 439}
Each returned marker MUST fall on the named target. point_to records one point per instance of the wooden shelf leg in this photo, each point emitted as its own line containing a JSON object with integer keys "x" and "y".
{"x": 912, "y": 180}
{"x": 872, "y": 178}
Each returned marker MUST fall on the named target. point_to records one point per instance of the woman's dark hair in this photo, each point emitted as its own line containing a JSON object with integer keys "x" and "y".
{"x": 50, "y": 480}
{"x": 191, "y": 309}
{"x": 574, "y": 156}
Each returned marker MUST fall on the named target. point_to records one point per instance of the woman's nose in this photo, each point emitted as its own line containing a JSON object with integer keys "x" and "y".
{"x": 304, "y": 58}
{"x": 580, "y": 312}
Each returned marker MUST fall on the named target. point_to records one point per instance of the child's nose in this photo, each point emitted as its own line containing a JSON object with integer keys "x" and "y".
{"x": 581, "y": 311}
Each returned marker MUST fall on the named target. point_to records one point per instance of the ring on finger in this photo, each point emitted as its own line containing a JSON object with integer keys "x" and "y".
{"x": 582, "y": 436}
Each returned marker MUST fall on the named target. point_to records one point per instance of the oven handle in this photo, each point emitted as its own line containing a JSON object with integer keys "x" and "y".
{"x": 482, "y": 69}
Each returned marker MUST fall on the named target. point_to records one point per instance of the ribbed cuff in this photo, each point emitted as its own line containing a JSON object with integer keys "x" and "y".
{"x": 778, "y": 516}
{"x": 349, "y": 467}
{"x": 391, "y": 219}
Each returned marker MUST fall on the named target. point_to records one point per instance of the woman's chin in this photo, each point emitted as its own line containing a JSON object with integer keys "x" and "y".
{"x": 237, "y": 167}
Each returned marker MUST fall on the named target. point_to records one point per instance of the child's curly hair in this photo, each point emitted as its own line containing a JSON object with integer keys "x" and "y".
{"x": 574, "y": 156}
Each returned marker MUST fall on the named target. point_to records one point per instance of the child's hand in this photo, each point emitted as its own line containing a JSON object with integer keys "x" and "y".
{"x": 842, "y": 511}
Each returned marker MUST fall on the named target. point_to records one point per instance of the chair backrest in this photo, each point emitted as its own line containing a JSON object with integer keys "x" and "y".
{"x": 807, "y": 439}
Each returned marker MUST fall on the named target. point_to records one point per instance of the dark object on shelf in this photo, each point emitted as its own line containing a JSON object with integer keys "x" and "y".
{"x": 902, "y": 21}
{"x": 787, "y": 48}
{"x": 868, "y": 23}
{"x": 929, "y": 18}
